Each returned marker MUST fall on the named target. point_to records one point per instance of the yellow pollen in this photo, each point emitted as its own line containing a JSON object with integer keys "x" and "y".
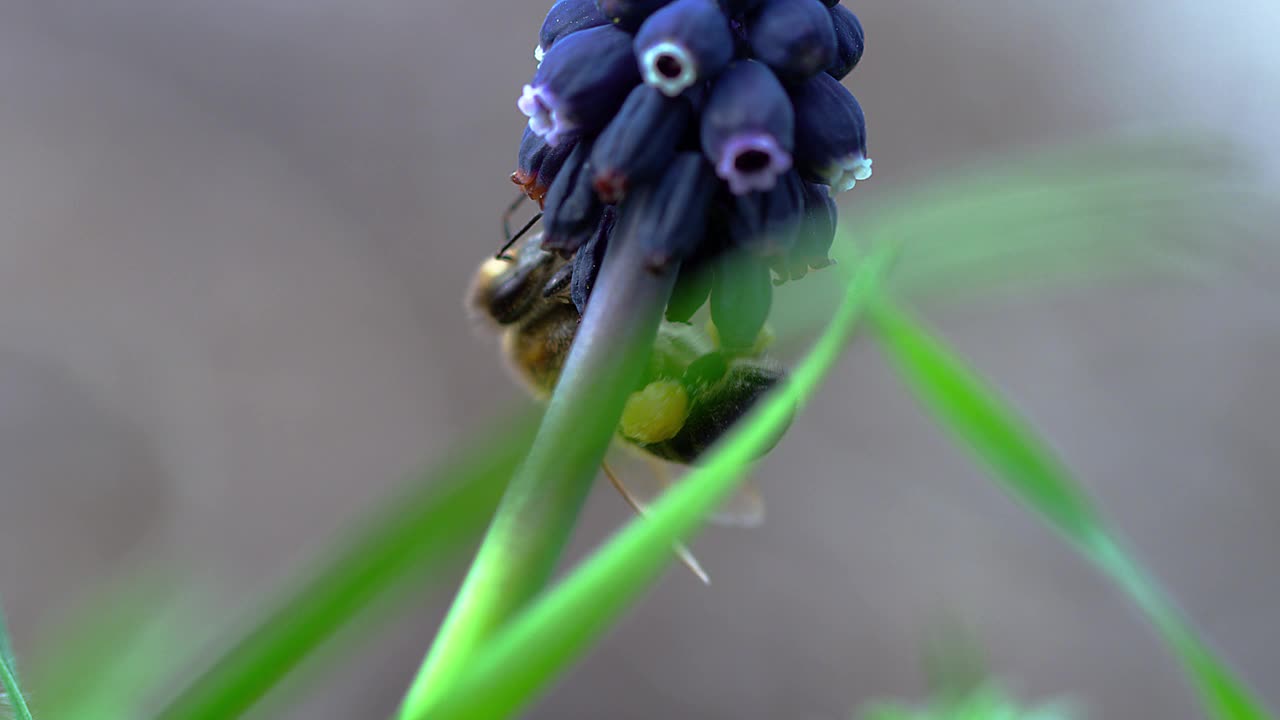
{"x": 655, "y": 413}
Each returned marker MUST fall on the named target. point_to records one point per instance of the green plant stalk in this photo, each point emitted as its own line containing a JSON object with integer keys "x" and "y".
{"x": 536, "y": 515}
{"x": 9, "y": 681}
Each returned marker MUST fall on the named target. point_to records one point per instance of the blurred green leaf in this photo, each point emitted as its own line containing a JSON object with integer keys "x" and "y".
{"x": 1030, "y": 472}
{"x": 9, "y": 674}
{"x": 954, "y": 661}
{"x": 1090, "y": 213}
{"x": 560, "y": 625}
{"x": 987, "y": 702}
{"x": 413, "y": 536}
{"x": 107, "y": 656}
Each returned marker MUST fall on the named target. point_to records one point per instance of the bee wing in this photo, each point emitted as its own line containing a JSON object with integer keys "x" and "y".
{"x": 745, "y": 508}
{"x": 682, "y": 551}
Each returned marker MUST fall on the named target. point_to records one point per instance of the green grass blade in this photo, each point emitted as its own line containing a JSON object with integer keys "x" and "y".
{"x": 107, "y": 656}
{"x": 1029, "y": 471}
{"x": 12, "y": 693}
{"x": 434, "y": 524}
{"x": 6, "y": 646}
{"x": 9, "y": 674}
{"x": 544, "y": 640}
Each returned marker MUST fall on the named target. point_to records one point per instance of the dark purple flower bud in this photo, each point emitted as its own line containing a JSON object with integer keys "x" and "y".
{"x": 850, "y": 42}
{"x": 748, "y": 127}
{"x": 794, "y": 37}
{"x": 682, "y": 44}
{"x": 533, "y": 149}
{"x": 817, "y": 231}
{"x": 767, "y": 222}
{"x": 629, "y": 14}
{"x": 739, "y": 7}
{"x": 831, "y": 3}
{"x": 587, "y": 260}
{"x": 669, "y": 217}
{"x": 572, "y": 208}
{"x": 639, "y": 142}
{"x": 567, "y": 16}
{"x": 692, "y": 287}
{"x": 831, "y": 134}
{"x": 741, "y": 295}
{"x": 581, "y": 83}
{"x": 538, "y": 163}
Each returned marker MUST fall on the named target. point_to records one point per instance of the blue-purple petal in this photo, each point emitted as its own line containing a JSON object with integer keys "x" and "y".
{"x": 669, "y": 217}
{"x": 572, "y": 209}
{"x": 569, "y": 16}
{"x": 748, "y": 127}
{"x": 794, "y": 37}
{"x": 581, "y": 83}
{"x": 629, "y": 15}
{"x": 587, "y": 261}
{"x": 831, "y": 134}
{"x": 682, "y": 44}
{"x": 538, "y": 163}
{"x": 850, "y": 42}
{"x": 639, "y": 142}
{"x": 767, "y": 223}
{"x": 817, "y": 231}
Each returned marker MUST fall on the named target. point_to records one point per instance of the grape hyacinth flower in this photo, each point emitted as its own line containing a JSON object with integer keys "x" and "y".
{"x": 700, "y": 128}
{"x": 683, "y": 157}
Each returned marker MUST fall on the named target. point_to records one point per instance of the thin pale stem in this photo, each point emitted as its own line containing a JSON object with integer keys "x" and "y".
{"x": 9, "y": 684}
{"x": 537, "y": 514}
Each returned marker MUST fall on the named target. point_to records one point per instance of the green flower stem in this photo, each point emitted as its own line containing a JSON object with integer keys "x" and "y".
{"x": 9, "y": 683}
{"x": 537, "y": 514}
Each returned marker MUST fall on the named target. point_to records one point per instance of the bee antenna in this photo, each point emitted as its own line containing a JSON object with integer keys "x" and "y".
{"x": 502, "y": 252}
{"x": 506, "y": 228}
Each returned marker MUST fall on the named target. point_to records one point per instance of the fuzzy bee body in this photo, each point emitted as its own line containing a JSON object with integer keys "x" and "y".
{"x": 692, "y": 391}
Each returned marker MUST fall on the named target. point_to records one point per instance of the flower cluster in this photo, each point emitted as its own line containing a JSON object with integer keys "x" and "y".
{"x": 701, "y": 126}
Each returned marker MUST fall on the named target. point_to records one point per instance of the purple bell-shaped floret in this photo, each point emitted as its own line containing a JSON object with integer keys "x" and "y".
{"x": 831, "y": 134}
{"x": 583, "y": 80}
{"x": 748, "y": 127}
{"x": 794, "y": 37}
{"x": 682, "y": 44}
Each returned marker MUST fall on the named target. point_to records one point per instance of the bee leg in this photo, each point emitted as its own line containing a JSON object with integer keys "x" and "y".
{"x": 559, "y": 281}
{"x": 682, "y": 552}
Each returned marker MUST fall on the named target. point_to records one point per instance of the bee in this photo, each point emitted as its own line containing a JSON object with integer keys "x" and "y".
{"x": 692, "y": 392}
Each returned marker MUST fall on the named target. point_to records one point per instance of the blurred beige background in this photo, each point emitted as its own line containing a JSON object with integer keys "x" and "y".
{"x": 233, "y": 241}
